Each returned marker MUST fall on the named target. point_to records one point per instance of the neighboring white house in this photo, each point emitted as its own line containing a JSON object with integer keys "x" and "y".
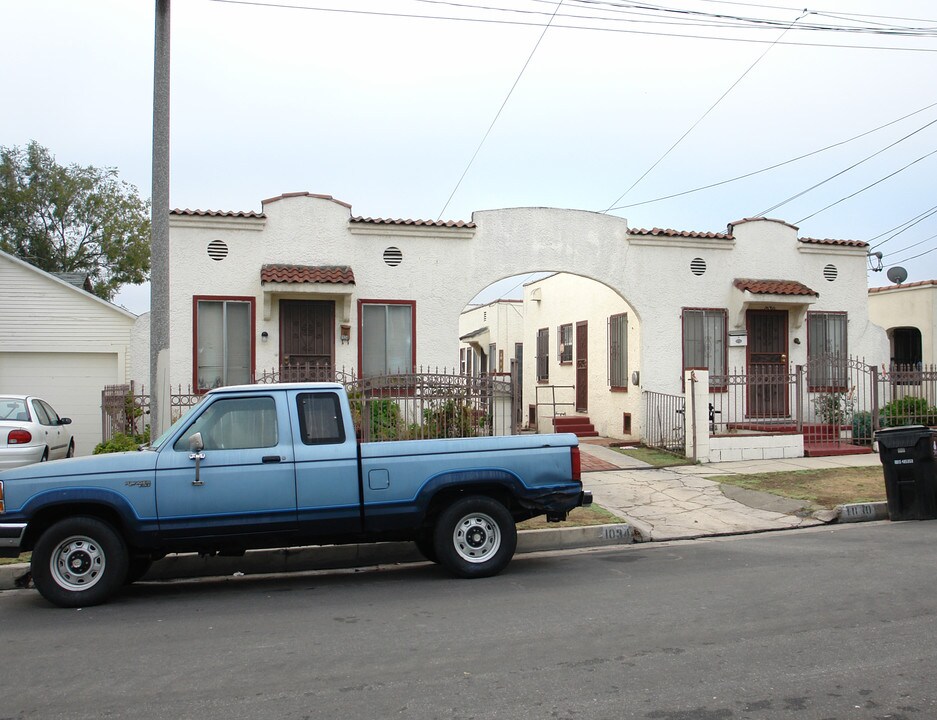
{"x": 304, "y": 281}
{"x": 583, "y": 338}
{"x": 491, "y": 335}
{"x": 909, "y": 315}
{"x": 64, "y": 344}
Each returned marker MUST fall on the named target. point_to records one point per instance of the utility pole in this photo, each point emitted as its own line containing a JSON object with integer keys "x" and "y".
{"x": 159, "y": 241}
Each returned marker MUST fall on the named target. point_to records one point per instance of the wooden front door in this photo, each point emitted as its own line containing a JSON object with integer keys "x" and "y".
{"x": 582, "y": 366}
{"x": 767, "y": 364}
{"x": 307, "y": 340}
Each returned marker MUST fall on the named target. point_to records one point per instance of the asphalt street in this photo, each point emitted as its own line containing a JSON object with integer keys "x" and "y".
{"x": 826, "y": 622}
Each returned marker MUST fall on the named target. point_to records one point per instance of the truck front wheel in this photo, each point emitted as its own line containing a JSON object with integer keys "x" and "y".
{"x": 79, "y": 562}
{"x": 475, "y": 537}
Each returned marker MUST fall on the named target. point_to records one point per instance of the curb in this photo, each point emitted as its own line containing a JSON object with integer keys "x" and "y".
{"x": 862, "y": 512}
{"x": 330, "y": 557}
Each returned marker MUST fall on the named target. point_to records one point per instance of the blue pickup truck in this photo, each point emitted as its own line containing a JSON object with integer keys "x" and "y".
{"x": 270, "y": 466}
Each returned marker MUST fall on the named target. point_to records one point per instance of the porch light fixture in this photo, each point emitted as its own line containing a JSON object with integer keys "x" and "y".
{"x": 345, "y": 334}
{"x": 264, "y": 335}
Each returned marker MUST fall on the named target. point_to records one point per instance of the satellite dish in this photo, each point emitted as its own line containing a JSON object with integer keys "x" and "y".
{"x": 897, "y": 274}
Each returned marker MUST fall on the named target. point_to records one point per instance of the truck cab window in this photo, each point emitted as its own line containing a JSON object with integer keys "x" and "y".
{"x": 320, "y": 419}
{"x": 235, "y": 424}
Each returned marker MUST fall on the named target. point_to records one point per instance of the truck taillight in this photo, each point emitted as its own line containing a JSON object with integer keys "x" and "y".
{"x": 577, "y": 463}
{"x": 19, "y": 437}
{"x": 2, "y": 506}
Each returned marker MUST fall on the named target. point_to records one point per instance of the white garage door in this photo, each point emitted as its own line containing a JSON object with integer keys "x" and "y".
{"x": 70, "y": 382}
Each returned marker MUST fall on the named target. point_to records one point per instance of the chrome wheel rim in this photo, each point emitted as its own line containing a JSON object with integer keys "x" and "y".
{"x": 78, "y": 563}
{"x": 476, "y": 538}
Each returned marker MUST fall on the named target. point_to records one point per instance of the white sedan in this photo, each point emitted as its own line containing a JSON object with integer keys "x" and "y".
{"x": 31, "y": 431}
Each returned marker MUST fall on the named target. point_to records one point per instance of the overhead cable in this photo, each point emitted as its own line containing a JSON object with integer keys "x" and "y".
{"x": 497, "y": 114}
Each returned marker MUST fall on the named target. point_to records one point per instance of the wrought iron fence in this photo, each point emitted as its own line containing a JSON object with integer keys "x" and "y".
{"x": 831, "y": 400}
{"x": 429, "y": 403}
{"x": 124, "y": 409}
{"x": 665, "y": 421}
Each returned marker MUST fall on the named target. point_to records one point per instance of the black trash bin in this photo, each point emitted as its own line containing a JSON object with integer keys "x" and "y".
{"x": 907, "y": 455}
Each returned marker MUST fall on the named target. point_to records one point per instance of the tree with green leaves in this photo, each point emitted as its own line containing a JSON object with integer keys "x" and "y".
{"x": 73, "y": 219}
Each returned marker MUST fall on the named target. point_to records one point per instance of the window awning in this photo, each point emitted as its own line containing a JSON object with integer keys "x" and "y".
{"x": 321, "y": 281}
{"x": 788, "y": 295}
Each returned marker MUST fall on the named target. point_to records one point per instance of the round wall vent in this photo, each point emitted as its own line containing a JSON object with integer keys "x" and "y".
{"x": 830, "y": 272}
{"x": 393, "y": 256}
{"x": 217, "y": 250}
{"x": 697, "y": 266}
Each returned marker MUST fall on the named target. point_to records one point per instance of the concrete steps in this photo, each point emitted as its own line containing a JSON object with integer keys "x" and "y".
{"x": 579, "y": 425}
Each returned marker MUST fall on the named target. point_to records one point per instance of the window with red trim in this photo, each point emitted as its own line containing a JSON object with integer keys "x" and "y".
{"x": 223, "y": 330}
{"x": 387, "y": 341}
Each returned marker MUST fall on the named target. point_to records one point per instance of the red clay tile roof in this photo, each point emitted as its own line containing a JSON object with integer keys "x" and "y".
{"x": 773, "y": 287}
{"x": 919, "y": 283}
{"x": 340, "y": 274}
{"x": 759, "y": 219}
{"x": 665, "y": 232}
{"x": 425, "y": 223}
{"x": 847, "y": 243}
{"x": 218, "y": 213}
{"x": 305, "y": 194}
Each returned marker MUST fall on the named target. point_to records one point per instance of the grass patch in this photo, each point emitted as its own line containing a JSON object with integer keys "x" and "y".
{"x": 578, "y": 517}
{"x": 652, "y": 456}
{"x": 24, "y": 558}
{"x": 822, "y": 488}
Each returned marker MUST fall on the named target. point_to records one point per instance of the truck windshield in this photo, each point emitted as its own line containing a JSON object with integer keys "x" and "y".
{"x": 160, "y": 441}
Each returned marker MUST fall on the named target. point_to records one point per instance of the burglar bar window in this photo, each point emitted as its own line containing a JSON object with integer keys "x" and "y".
{"x": 564, "y": 341}
{"x": 543, "y": 354}
{"x": 704, "y": 340}
{"x": 618, "y": 351}
{"x": 826, "y": 351}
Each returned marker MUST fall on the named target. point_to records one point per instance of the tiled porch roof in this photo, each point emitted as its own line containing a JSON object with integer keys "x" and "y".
{"x": 773, "y": 287}
{"x": 218, "y": 213}
{"x": 337, "y": 274}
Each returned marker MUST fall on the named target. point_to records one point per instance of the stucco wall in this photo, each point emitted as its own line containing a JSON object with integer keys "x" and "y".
{"x": 570, "y": 299}
{"x": 908, "y": 306}
{"x": 443, "y": 268}
{"x": 504, "y": 322}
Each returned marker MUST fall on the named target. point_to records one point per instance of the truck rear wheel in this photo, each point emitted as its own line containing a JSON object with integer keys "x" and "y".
{"x": 475, "y": 537}
{"x": 79, "y": 562}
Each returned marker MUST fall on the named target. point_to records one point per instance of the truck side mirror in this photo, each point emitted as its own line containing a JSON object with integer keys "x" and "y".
{"x": 195, "y": 443}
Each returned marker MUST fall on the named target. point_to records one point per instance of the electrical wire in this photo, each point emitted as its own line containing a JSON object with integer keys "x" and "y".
{"x": 845, "y": 170}
{"x": 701, "y": 118}
{"x": 773, "y": 167}
{"x": 871, "y": 185}
{"x": 418, "y": 16}
{"x": 908, "y": 224}
{"x": 497, "y": 115}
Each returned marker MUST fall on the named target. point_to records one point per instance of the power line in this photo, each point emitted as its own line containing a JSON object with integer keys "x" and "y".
{"x": 701, "y": 118}
{"x": 773, "y": 167}
{"x": 871, "y": 185}
{"x": 845, "y": 170}
{"x": 418, "y": 16}
{"x": 907, "y": 225}
{"x": 913, "y": 245}
{"x": 498, "y": 114}
{"x": 913, "y": 257}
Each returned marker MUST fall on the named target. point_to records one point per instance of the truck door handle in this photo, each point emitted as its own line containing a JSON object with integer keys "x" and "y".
{"x": 271, "y": 458}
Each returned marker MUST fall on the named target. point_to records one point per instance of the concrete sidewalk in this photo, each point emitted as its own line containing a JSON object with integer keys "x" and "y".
{"x": 654, "y": 504}
{"x": 681, "y": 502}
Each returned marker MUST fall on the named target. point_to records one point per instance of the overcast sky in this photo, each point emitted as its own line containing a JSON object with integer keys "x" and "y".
{"x": 385, "y": 112}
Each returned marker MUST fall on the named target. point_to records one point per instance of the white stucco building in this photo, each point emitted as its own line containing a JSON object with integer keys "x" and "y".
{"x": 909, "y": 315}
{"x": 583, "y": 339}
{"x": 306, "y": 282}
{"x": 490, "y": 336}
